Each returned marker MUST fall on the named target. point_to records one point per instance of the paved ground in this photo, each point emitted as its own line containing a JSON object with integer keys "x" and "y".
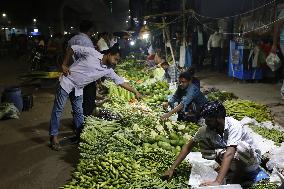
{"x": 27, "y": 163}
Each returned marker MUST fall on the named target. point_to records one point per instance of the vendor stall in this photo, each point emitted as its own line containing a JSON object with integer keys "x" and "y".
{"x": 244, "y": 61}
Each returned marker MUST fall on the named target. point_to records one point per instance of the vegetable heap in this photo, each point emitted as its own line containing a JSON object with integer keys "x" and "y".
{"x": 128, "y": 146}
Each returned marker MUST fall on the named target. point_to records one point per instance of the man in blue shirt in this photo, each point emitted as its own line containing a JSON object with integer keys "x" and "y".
{"x": 279, "y": 36}
{"x": 189, "y": 99}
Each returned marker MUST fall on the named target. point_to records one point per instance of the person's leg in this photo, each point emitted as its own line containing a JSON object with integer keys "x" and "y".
{"x": 59, "y": 102}
{"x": 218, "y": 59}
{"x": 89, "y": 97}
{"x": 78, "y": 117}
{"x": 213, "y": 58}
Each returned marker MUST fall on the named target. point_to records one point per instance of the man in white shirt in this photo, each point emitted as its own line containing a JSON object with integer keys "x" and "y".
{"x": 215, "y": 43}
{"x": 225, "y": 140}
{"x": 90, "y": 66}
{"x": 102, "y": 43}
{"x": 84, "y": 39}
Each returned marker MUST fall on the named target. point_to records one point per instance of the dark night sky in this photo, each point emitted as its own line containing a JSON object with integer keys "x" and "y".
{"x": 22, "y": 12}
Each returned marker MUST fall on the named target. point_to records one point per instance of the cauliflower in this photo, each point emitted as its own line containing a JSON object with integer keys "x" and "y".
{"x": 159, "y": 127}
{"x": 169, "y": 126}
{"x": 153, "y": 134}
{"x": 181, "y": 127}
{"x": 136, "y": 127}
{"x": 187, "y": 136}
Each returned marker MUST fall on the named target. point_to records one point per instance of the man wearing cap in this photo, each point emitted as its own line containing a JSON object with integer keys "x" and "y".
{"x": 225, "y": 140}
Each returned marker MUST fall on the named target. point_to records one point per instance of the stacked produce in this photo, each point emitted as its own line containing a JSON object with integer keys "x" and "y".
{"x": 242, "y": 108}
{"x": 128, "y": 146}
{"x": 271, "y": 134}
{"x": 116, "y": 156}
{"x": 118, "y": 93}
{"x": 220, "y": 96}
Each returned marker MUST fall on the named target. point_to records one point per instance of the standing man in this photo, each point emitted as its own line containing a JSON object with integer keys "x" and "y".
{"x": 215, "y": 45}
{"x": 102, "y": 43}
{"x": 225, "y": 140}
{"x": 83, "y": 39}
{"x": 89, "y": 67}
{"x": 198, "y": 47}
{"x": 279, "y": 37}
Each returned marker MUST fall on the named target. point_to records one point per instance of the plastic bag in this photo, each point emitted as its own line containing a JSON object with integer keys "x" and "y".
{"x": 273, "y": 62}
{"x": 9, "y": 110}
{"x": 277, "y": 158}
{"x": 201, "y": 173}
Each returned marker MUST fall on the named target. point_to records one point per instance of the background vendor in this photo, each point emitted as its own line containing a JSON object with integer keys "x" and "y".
{"x": 189, "y": 99}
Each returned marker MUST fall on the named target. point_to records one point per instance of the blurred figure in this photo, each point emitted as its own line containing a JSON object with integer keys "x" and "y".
{"x": 198, "y": 47}
{"x": 102, "y": 43}
{"x": 215, "y": 45}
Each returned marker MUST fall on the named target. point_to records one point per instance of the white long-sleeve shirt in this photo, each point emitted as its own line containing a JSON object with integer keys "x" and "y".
{"x": 86, "y": 69}
{"x": 215, "y": 40}
{"x": 102, "y": 44}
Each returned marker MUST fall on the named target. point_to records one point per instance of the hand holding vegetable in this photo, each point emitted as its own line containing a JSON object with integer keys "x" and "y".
{"x": 138, "y": 96}
{"x": 165, "y": 105}
{"x": 165, "y": 116}
{"x": 168, "y": 174}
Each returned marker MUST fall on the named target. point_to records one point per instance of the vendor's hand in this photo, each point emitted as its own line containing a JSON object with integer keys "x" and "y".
{"x": 138, "y": 96}
{"x": 165, "y": 105}
{"x": 273, "y": 49}
{"x": 165, "y": 116}
{"x": 168, "y": 174}
{"x": 65, "y": 70}
{"x": 210, "y": 183}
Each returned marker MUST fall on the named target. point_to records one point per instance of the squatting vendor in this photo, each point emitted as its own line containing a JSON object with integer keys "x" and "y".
{"x": 228, "y": 142}
{"x": 189, "y": 99}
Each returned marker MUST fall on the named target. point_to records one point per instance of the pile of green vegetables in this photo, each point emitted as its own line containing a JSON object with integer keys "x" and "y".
{"x": 134, "y": 151}
{"x": 245, "y": 108}
{"x": 271, "y": 134}
{"x": 221, "y": 96}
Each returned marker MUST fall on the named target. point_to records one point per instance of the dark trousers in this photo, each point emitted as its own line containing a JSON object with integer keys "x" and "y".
{"x": 216, "y": 59}
{"x": 198, "y": 57}
{"x": 89, "y": 97}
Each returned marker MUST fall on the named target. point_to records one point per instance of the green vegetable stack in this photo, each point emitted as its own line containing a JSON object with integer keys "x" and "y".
{"x": 241, "y": 108}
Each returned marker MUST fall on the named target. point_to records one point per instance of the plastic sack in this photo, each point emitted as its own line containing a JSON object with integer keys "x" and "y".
{"x": 276, "y": 159}
{"x": 9, "y": 111}
{"x": 273, "y": 62}
{"x": 201, "y": 173}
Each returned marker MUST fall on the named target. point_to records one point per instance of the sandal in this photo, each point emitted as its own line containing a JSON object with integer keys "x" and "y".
{"x": 55, "y": 146}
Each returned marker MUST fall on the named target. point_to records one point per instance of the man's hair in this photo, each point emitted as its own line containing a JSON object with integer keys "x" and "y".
{"x": 102, "y": 34}
{"x": 112, "y": 51}
{"x": 191, "y": 70}
{"x": 165, "y": 64}
{"x": 86, "y": 25}
{"x": 213, "y": 109}
{"x": 185, "y": 75}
